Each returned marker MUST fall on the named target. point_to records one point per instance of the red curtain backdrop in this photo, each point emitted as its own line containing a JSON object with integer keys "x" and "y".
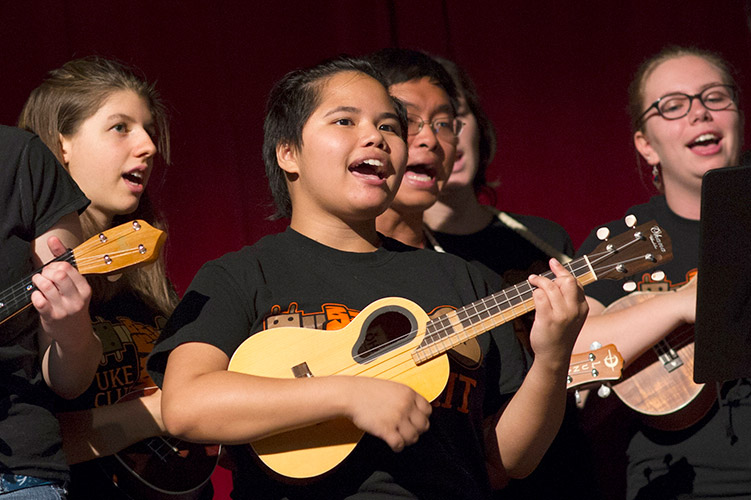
{"x": 552, "y": 76}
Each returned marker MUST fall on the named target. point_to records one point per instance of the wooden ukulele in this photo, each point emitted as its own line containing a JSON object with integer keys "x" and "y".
{"x": 161, "y": 467}
{"x": 415, "y": 355}
{"x": 596, "y": 366}
{"x": 127, "y": 245}
{"x": 659, "y": 384}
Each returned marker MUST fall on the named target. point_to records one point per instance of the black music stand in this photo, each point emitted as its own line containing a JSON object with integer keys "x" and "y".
{"x": 723, "y": 302}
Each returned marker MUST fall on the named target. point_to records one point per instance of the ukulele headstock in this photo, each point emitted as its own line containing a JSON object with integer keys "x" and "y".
{"x": 134, "y": 243}
{"x": 638, "y": 249}
{"x": 594, "y": 366}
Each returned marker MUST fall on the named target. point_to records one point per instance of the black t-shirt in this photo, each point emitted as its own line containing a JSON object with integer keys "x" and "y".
{"x": 712, "y": 458}
{"x": 290, "y": 279}
{"x": 36, "y": 192}
{"x": 128, "y": 329}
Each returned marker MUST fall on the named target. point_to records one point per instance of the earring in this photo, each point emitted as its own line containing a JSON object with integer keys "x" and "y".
{"x": 655, "y": 173}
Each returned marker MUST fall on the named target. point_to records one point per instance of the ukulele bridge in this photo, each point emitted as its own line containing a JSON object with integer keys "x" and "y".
{"x": 301, "y": 370}
{"x": 670, "y": 360}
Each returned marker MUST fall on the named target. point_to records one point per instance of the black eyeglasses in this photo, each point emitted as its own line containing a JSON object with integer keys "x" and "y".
{"x": 677, "y": 105}
{"x": 443, "y": 127}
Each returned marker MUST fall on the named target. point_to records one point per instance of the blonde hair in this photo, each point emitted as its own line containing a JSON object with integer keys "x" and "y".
{"x": 637, "y": 87}
{"x": 65, "y": 99}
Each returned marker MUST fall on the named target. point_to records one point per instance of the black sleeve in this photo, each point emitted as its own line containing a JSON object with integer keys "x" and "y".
{"x": 53, "y": 191}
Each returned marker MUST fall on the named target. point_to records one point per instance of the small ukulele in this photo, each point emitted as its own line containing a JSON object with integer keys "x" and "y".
{"x": 416, "y": 355}
{"x": 659, "y": 384}
{"x": 594, "y": 367}
{"x": 161, "y": 467}
{"x": 127, "y": 245}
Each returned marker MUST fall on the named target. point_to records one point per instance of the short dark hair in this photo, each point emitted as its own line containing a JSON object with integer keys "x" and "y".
{"x": 404, "y": 65}
{"x": 291, "y": 102}
{"x": 488, "y": 140}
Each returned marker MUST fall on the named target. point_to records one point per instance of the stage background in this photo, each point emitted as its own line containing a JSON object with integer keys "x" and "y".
{"x": 552, "y": 76}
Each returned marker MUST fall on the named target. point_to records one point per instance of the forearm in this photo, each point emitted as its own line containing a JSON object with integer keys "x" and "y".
{"x": 532, "y": 418}
{"x": 99, "y": 432}
{"x": 69, "y": 367}
{"x": 633, "y": 329}
{"x": 234, "y": 408}
{"x": 202, "y": 401}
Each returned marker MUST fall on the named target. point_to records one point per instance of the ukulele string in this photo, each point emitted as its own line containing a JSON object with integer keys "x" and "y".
{"x": 19, "y": 293}
{"x": 89, "y": 260}
{"x": 481, "y": 310}
{"x": 162, "y": 448}
{"x": 521, "y": 291}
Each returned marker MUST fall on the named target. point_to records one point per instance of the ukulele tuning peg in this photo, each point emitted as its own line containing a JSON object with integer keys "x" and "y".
{"x": 604, "y": 391}
{"x": 595, "y": 345}
{"x": 577, "y": 397}
{"x": 658, "y": 276}
{"x": 629, "y": 286}
{"x": 603, "y": 233}
{"x": 630, "y": 220}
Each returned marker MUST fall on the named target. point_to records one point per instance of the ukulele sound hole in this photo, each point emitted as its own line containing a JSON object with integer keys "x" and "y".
{"x": 385, "y": 330}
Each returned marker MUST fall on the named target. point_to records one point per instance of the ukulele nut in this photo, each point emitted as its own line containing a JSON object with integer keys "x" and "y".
{"x": 141, "y": 249}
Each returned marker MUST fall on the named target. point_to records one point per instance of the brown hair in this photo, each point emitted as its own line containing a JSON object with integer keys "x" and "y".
{"x": 65, "y": 99}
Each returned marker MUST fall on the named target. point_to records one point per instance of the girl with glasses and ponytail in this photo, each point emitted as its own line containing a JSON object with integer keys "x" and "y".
{"x": 686, "y": 121}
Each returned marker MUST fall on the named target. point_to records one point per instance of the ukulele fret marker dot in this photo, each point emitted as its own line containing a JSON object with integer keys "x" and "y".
{"x": 29, "y": 288}
{"x": 102, "y": 238}
{"x": 141, "y": 249}
{"x": 107, "y": 259}
{"x": 2, "y": 304}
